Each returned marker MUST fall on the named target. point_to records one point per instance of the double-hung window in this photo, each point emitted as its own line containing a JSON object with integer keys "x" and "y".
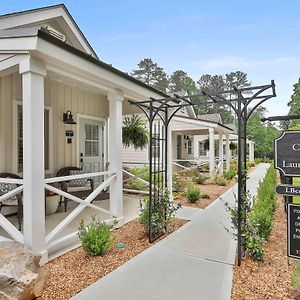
{"x": 19, "y": 138}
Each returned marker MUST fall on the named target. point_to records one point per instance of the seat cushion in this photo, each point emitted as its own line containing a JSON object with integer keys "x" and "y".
{"x": 74, "y": 189}
{"x": 81, "y": 182}
{"x": 4, "y": 189}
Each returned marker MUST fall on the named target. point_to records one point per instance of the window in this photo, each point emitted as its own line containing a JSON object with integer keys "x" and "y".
{"x": 179, "y": 146}
{"x": 20, "y": 138}
{"x": 189, "y": 146}
{"x": 202, "y": 151}
{"x": 91, "y": 140}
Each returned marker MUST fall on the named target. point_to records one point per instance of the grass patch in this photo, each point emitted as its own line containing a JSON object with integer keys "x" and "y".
{"x": 296, "y": 276}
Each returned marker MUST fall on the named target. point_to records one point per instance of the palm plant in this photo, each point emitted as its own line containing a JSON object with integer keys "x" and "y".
{"x": 135, "y": 132}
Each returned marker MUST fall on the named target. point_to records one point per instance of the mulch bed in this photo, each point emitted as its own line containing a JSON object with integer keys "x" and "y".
{"x": 74, "y": 271}
{"x": 270, "y": 279}
{"x": 214, "y": 191}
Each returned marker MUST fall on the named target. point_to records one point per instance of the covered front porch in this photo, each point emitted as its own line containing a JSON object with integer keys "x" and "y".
{"x": 60, "y": 111}
{"x": 188, "y": 138}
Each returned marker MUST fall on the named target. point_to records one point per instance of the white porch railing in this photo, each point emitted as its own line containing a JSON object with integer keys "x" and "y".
{"x": 132, "y": 176}
{"x": 194, "y": 163}
{"x": 109, "y": 177}
{"x": 7, "y": 226}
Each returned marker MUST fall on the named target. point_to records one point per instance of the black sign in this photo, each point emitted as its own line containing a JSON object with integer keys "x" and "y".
{"x": 294, "y": 230}
{"x": 287, "y": 153}
{"x": 288, "y": 190}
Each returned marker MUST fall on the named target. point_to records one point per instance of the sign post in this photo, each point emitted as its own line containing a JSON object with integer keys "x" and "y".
{"x": 294, "y": 230}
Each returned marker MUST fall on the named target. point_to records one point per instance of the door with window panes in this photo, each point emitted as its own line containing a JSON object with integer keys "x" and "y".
{"x": 91, "y": 147}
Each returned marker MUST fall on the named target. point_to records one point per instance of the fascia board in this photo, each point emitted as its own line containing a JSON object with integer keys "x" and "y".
{"x": 79, "y": 65}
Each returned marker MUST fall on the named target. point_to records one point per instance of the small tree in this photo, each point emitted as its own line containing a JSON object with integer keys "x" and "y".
{"x": 135, "y": 132}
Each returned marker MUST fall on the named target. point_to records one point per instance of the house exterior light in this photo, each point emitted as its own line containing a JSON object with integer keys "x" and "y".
{"x": 68, "y": 118}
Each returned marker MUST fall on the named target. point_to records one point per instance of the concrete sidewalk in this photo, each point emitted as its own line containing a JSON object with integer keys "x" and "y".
{"x": 195, "y": 262}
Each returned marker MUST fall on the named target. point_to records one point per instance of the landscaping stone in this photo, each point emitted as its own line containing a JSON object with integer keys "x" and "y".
{"x": 21, "y": 276}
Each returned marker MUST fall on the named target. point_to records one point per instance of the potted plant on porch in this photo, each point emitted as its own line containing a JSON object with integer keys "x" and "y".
{"x": 52, "y": 202}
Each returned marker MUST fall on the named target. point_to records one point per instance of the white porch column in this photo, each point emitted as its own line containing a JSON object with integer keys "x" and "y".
{"x": 169, "y": 159}
{"x": 227, "y": 152}
{"x": 251, "y": 151}
{"x": 115, "y": 145}
{"x": 196, "y": 146}
{"x": 221, "y": 155}
{"x": 211, "y": 152}
{"x": 33, "y": 73}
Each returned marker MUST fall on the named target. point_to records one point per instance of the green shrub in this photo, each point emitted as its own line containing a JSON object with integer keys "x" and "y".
{"x": 178, "y": 185}
{"x": 162, "y": 213}
{"x": 95, "y": 237}
{"x": 255, "y": 246}
{"x": 193, "y": 194}
{"x": 265, "y": 204}
{"x": 231, "y": 173}
{"x": 200, "y": 179}
{"x": 220, "y": 181}
{"x": 259, "y": 160}
{"x": 257, "y": 220}
{"x": 137, "y": 185}
{"x": 205, "y": 196}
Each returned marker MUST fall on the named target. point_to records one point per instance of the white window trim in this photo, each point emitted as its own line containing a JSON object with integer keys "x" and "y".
{"x": 15, "y": 138}
{"x": 105, "y": 137}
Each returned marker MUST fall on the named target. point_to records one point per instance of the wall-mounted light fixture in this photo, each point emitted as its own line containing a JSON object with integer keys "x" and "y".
{"x": 68, "y": 118}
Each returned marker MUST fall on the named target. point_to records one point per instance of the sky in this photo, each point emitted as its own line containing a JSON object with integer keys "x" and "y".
{"x": 259, "y": 37}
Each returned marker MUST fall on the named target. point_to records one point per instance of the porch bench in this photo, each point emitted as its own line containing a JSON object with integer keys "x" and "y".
{"x": 80, "y": 188}
{"x": 16, "y": 200}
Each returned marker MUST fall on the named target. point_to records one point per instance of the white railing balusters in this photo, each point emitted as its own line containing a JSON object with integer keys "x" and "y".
{"x": 4, "y": 222}
{"x": 11, "y": 180}
{"x": 13, "y": 192}
{"x": 61, "y": 226}
{"x": 74, "y": 198}
{"x": 18, "y": 236}
{"x": 11, "y": 229}
{"x": 79, "y": 176}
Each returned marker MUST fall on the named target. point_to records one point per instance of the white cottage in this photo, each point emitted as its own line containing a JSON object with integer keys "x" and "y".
{"x": 50, "y": 79}
{"x": 188, "y": 134}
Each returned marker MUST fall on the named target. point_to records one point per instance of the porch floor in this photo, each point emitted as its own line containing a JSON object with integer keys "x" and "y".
{"x": 131, "y": 211}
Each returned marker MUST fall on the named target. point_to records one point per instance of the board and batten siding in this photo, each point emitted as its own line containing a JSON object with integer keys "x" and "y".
{"x": 132, "y": 156}
{"x": 60, "y": 97}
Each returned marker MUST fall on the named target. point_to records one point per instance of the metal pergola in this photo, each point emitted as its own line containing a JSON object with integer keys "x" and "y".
{"x": 165, "y": 109}
{"x": 159, "y": 113}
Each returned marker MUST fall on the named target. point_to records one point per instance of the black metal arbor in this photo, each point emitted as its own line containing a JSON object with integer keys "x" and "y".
{"x": 159, "y": 114}
{"x": 239, "y": 100}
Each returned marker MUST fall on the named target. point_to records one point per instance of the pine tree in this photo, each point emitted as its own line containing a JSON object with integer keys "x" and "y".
{"x": 294, "y": 105}
{"x": 151, "y": 74}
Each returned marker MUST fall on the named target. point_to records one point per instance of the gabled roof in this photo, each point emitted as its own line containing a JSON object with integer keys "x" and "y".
{"x": 211, "y": 117}
{"x": 56, "y": 16}
{"x": 7, "y": 31}
{"x": 232, "y": 126}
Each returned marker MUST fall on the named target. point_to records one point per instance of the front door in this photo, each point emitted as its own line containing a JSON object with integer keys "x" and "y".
{"x": 179, "y": 146}
{"x": 91, "y": 150}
